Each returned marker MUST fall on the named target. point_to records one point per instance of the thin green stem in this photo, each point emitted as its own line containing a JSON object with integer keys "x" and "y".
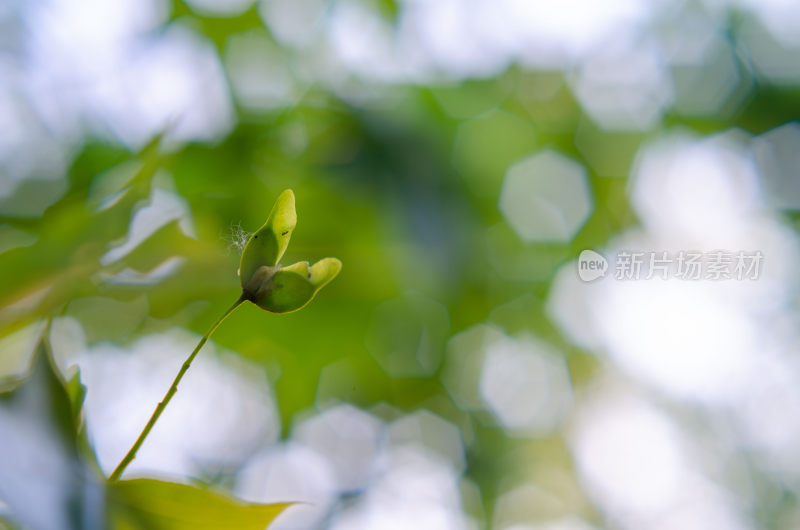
{"x": 168, "y": 396}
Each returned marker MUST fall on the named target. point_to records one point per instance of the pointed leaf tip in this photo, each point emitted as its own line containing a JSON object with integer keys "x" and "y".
{"x": 283, "y": 216}
{"x": 267, "y": 245}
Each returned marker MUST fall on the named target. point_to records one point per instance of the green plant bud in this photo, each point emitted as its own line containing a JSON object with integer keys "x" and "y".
{"x": 292, "y": 287}
{"x": 267, "y": 284}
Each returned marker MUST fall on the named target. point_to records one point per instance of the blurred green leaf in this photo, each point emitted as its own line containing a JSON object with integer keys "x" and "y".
{"x": 158, "y": 505}
{"x": 73, "y": 235}
{"x": 77, "y": 394}
{"x": 43, "y": 478}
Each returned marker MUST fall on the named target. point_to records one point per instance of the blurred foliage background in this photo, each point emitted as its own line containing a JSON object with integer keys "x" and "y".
{"x": 457, "y": 156}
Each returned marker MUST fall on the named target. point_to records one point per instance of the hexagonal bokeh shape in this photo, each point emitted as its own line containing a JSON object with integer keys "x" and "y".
{"x": 624, "y": 89}
{"x": 465, "y": 358}
{"x": 348, "y": 438}
{"x": 546, "y": 197}
{"x": 526, "y": 385}
{"x": 426, "y": 429}
{"x": 407, "y": 335}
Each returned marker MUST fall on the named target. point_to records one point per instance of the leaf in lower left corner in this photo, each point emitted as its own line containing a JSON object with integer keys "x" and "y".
{"x": 160, "y": 505}
{"x": 43, "y": 479}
